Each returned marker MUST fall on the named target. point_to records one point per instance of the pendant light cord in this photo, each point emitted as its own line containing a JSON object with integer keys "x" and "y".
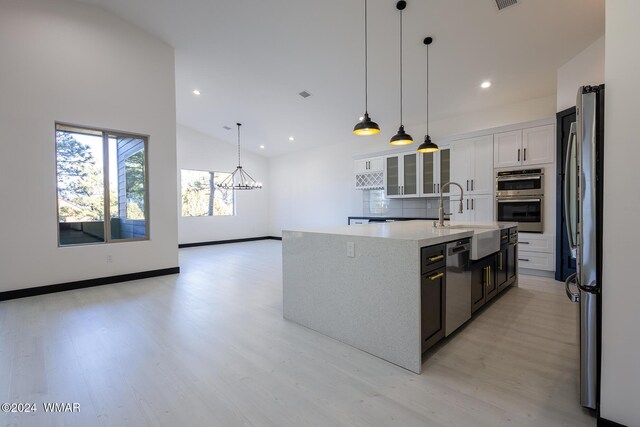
{"x": 239, "y": 144}
{"x": 366, "y": 61}
{"x": 401, "y": 121}
{"x": 427, "y": 89}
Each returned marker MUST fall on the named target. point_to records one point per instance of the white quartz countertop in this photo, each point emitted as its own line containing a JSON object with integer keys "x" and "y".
{"x": 419, "y": 230}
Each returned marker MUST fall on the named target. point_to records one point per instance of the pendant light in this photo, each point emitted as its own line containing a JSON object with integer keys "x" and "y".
{"x": 239, "y": 179}
{"x": 427, "y": 146}
{"x": 366, "y": 126}
{"x": 401, "y": 138}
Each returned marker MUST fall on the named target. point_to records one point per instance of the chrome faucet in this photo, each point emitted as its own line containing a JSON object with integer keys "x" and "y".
{"x": 441, "y": 213}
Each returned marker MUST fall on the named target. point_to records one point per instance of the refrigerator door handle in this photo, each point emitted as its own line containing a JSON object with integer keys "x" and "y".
{"x": 567, "y": 189}
{"x": 574, "y": 297}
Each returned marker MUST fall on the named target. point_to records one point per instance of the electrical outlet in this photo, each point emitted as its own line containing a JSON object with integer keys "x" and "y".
{"x": 109, "y": 259}
{"x": 351, "y": 249}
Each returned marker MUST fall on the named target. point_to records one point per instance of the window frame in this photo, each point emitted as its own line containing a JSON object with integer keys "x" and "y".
{"x": 214, "y": 189}
{"x": 106, "y": 133}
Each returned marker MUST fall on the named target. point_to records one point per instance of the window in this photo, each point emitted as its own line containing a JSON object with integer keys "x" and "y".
{"x": 101, "y": 174}
{"x": 201, "y": 197}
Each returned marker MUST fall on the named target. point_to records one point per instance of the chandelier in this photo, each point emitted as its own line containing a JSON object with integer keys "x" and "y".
{"x": 239, "y": 179}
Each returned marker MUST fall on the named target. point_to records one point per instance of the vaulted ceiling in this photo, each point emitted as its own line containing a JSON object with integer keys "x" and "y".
{"x": 251, "y": 58}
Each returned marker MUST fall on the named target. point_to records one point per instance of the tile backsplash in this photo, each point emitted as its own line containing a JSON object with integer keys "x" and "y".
{"x": 375, "y": 203}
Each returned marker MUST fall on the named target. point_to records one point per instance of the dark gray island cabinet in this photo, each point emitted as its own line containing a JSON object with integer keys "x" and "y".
{"x": 485, "y": 279}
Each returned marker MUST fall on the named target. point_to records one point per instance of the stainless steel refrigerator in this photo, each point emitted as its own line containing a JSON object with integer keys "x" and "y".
{"x": 583, "y": 211}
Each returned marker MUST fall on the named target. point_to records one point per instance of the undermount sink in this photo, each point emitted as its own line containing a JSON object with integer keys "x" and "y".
{"x": 485, "y": 240}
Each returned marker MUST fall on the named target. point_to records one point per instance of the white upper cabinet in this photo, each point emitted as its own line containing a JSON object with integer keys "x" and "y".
{"x": 374, "y": 164}
{"x": 369, "y": 173}
{"x": 531, "y": 146}
{"x": 401, "y": 175}
{"x": 472, "y": 165}
{"x": 435, "y": 171}
{"x": 538, "y": 145}
{"x": 507, "y": 149}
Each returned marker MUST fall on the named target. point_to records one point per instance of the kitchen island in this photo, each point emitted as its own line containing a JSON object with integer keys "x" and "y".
{"x": 363, "y": 284}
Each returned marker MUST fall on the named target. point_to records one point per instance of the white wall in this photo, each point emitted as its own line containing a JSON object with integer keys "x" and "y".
{"x": 586, "y": 68}
{"x": 534, "y": 109}
{"x": 315, "y": 187}
{"x": 66, "y": 61}
{"x": 621, "y": 292}
{"x": 202, "y": 152}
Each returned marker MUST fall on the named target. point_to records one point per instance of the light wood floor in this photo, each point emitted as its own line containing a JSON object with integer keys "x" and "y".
{"x": 210, "y": 348}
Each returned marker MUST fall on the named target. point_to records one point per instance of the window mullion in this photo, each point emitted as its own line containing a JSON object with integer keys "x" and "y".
{"x": 107, "y": 201}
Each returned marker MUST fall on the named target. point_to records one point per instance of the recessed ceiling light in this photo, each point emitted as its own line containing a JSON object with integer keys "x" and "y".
{"x": 262, "y": 146}
{"x": 196, "y": 92}
{"x": 485, "y": 85}
{"x": 291, "y": 138}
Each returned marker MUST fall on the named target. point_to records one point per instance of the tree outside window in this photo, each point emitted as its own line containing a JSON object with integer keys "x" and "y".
{"x": 201, "y": 197}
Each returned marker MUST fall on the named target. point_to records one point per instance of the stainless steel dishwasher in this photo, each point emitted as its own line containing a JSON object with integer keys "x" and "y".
{"x": 458, "y": 294}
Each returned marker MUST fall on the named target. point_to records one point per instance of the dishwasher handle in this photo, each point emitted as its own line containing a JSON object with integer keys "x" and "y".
{"x": 454, "y": 250}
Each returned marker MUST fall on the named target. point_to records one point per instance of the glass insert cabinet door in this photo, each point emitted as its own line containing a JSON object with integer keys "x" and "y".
{"x": 429, "y": 184}
{"x": 444, "y": 165}
{"x": 436, "y": 171}
{"x": 410, "y": 175}
{"x": 393, "y": 176}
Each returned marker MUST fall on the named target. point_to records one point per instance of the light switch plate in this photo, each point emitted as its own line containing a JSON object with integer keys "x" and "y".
{"x": 351, "y": 249}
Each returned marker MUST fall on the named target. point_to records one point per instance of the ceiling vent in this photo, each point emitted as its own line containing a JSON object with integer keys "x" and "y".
{"x": 304, "y": 94}
{"x": 505, "y": 3}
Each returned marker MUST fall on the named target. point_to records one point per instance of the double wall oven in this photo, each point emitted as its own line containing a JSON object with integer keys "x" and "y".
{"x": 520, "y": 198}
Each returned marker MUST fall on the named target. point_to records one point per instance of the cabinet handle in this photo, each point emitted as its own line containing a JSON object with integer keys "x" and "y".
{"x": 467, "y": 185}
{"x": 500, "y": 261}
{"x": 434, "y": 188}
{"x": 525, "y": 243}
{"x": 523, "y": 259}
{"x": 402, "y": 189}
{"x": 471, "y": 185}
{"x": 525, "y": 154}
{"x": 438, "y": 188}
{"x": 436, "y": 276}
{"x": 467, "y": 204}
{"x": 471, "y": 204}
{"x": 518, "y": 154}
{"x": 436, "y": 258}
{"x": 486, "y": 276}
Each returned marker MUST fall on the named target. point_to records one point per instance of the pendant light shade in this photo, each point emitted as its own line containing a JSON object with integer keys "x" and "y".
{"x": 366, "y": 126}
{"x": 239, "y": 179}
{"x": 401, "y": 138}
{"x": 428, "y": 146}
